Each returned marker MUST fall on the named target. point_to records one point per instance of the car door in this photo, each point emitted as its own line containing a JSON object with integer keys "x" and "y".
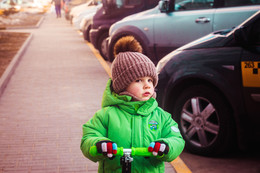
{"x": 233, "y": 13}
{"x": 190, "y": 20}
{"x": 251, "y": 86}
{"x": 250, "y": 69}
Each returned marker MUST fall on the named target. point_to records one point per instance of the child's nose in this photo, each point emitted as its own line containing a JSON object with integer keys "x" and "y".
{"x": 147, "y": 84}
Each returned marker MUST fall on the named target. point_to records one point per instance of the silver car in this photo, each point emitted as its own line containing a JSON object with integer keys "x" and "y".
{"x": 174, "y": 23}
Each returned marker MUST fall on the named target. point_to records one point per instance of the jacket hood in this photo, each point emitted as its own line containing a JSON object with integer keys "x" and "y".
{"x": 110, "y": 98}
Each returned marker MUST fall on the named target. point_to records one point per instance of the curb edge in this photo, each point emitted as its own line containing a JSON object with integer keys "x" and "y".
{"x": 13, "y": 64}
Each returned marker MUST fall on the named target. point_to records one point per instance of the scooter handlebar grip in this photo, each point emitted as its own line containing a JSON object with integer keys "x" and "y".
{"x": 141, "y": 152}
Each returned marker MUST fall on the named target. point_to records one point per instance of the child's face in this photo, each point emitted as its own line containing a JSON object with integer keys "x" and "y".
{"x": 142, "y": 88}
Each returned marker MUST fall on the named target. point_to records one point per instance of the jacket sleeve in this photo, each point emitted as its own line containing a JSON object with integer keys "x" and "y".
{"x": 93, "y": 131}
{"x": 172, "y": 136}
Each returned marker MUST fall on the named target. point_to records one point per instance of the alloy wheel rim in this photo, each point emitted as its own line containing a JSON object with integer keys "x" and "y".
{"x": 200, "y": 122}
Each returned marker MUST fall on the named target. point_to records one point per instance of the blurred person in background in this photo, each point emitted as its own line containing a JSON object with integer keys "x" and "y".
{"x": 57, "y": 4}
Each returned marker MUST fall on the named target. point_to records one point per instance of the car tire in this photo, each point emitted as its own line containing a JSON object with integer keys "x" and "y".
{"x": 101, "y": 45}
{"x": 205, "y": 121}
{"x": 86, "y": 33}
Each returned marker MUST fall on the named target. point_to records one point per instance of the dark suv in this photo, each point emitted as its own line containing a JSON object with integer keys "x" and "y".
{"x": 212, "y": 88}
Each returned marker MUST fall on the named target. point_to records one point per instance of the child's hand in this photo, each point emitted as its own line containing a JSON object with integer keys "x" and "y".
{"x": 107, "y": 148}
{"x": 158, "y": 147}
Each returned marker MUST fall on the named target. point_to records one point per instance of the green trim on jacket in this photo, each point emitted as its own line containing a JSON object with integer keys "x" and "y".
{"x": 131, "y": 124}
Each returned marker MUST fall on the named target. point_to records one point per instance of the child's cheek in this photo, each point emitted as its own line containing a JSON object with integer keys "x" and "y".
{"x": 134, "y": 90}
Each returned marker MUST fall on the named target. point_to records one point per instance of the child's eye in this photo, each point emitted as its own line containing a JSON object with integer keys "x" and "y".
{"x": 138, "y": 80}
{"x": 150, "y": 80}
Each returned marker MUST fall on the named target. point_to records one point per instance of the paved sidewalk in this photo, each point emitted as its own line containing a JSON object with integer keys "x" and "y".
{"x": 52, "y": 92}
{"x": 47, "y": 100}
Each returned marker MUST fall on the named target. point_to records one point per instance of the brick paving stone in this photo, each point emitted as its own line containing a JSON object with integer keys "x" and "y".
{"x": 51, "y": 94}
{"x": 56, "y": 87}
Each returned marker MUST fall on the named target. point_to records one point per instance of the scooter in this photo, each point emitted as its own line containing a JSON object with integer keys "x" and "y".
{"x": 126, "y": 156}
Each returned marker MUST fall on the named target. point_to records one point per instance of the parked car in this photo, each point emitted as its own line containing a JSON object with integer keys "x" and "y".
{"x": 46, "y": 4}
{"x": 111, "y": 12}
{"x": 212, "y": 88}
{"x": 78, "y": 10}
{"x": 9, "y": 6}
{"x": 91, "y": 9}
{"x": 31, "y": 6}
{"x": 85, "y": 25}
{"x": 174, "y": 23}
{"x": 69, "y": 4}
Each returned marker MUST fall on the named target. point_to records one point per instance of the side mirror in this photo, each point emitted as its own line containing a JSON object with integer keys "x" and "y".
{"x": 164, "y": 6}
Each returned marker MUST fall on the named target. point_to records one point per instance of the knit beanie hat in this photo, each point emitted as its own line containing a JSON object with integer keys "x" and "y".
{"x": 130, "y": 65}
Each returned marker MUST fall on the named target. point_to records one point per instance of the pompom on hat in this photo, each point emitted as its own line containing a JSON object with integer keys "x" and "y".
{"x": 130, "y": 64}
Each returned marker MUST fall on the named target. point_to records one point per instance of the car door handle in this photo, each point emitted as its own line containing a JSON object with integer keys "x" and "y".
{"x": 202, "y": 20}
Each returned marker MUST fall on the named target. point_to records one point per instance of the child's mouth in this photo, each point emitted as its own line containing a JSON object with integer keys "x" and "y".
{"x": 146, "y": 94}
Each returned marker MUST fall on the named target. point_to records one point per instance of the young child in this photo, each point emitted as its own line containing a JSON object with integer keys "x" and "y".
{"x": 130, "y": 116}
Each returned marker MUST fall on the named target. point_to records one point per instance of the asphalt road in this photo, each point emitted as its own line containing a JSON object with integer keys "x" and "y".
{"x": 234, "y": 162}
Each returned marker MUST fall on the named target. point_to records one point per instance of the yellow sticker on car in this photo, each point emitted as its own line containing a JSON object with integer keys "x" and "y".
{"x": 250, "y": 73}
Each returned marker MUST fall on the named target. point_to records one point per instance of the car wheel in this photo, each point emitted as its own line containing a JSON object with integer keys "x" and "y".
{"x": 102, "y": 45}
{"x": 112, "y": 57}
{"x": 204, "y": 120}
{"x": 86, "y": 33}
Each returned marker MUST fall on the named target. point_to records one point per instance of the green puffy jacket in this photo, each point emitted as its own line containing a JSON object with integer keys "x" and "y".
{"x": 131, "y": 124}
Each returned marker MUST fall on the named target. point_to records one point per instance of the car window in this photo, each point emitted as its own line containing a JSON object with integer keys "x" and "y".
{"x": 249, "y": 36}
{"x": 233, "y": 3}
{"x": 254, "y": 33}
{"x": 132, "y": 2}
{"x": 193, "y": 4}
{"x": 152, "y": 3}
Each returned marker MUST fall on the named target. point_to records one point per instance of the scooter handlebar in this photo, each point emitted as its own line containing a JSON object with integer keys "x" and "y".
{"x": 142, "y": 151}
